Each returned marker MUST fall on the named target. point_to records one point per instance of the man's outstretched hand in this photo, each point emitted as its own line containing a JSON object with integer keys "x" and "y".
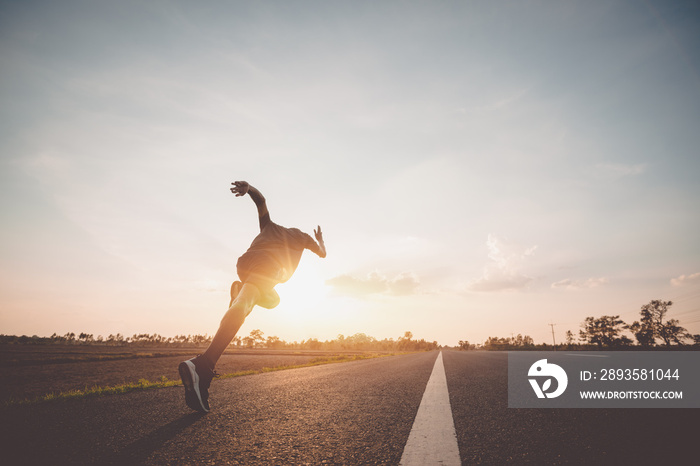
{"x": 321, "y": 247}
{"x": 318, "y": 234}
{"x": 240, "y": 188}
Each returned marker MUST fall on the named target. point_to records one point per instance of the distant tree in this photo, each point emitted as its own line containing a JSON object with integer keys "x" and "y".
{"x": 521, "y": 341}
{"x": 464, "y": 345}
{"x": 200, "y": 340}
{"x": 360, "y": 341}
{"x": 671, "y": 332}
{"x": 405, "y": 343}
{"x": 644, "y": 330}
{"x": 569, "y": 337}
{"x": 652, "y": 326}
{"x": 497, "y": 344}
{"x": 179, "y": 340}
{"x": 274, "y": 342}
{"x": 312, "y": 344}
{"x": 257, "y": 336}
{"x": 508, "y": 343}
{"x": 604, "y": 331}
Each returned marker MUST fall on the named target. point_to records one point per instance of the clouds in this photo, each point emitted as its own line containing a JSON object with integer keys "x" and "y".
{"x": 615, "y": 171}
{"x": 408, "y": 144}
{"x": 504, "y": 271}
{"x": 686, "y": 280}
{"x": 569, "y": 284}
{"x": 405, "y": 283}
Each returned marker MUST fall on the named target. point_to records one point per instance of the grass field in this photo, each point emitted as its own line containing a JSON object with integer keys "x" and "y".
{"x": 33, "y": 372}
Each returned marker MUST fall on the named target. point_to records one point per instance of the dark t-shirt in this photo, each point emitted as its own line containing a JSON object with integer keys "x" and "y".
{"x": 277, "y": 250}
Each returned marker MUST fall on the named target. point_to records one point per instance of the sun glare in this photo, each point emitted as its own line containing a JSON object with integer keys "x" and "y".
{"x": 303, "y": 292}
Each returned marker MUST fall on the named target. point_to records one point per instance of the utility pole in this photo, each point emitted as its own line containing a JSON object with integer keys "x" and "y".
{"x": 554, "y": 343}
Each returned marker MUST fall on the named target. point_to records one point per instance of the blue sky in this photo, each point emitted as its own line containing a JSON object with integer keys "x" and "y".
{"x": 479, "y": 168}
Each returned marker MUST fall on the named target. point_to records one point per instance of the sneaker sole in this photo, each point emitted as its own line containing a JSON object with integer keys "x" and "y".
{"x": 190, "y": 380}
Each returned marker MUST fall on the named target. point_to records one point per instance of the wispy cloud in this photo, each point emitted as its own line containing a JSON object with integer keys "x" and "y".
{"x": 499, "y": 103}
{"x": 616, "y": 171}
{"x": 569, "y": 284}
{"x": 405, "y": 283}
{"x": 508, "y": 100}
{"x": 504, "y": 269}
{"x": 682, "y": 280}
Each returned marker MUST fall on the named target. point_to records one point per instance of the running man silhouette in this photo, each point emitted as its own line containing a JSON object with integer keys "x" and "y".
{"x": 272, "y": 258}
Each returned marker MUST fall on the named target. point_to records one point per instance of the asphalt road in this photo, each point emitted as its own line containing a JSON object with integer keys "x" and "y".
{"x": 490, "y": 432}
{"x": 352, "y": 413}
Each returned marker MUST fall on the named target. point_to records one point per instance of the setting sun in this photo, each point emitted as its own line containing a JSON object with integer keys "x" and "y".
{"x": 305, "y": 290}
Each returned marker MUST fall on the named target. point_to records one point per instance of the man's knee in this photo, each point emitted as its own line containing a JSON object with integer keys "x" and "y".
{"x": 239, "y": 308}
{"x": 269, "y": 299}
{"x": 235, "y": 290}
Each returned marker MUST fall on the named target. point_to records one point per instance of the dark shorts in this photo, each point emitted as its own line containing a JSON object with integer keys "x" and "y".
{"x": 259, "y": 269}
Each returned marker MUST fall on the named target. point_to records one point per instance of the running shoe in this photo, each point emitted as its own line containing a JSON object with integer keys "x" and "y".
{"x": 196, "y": 376}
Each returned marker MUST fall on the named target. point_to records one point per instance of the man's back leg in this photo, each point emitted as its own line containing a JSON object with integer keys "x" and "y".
{"x": 197, "y": 373}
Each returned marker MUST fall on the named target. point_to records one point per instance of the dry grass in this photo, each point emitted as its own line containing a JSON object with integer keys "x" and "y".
{"x": 163, "y": 381}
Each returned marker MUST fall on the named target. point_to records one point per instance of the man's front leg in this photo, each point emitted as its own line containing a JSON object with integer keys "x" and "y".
{"x": 269, "y": 299}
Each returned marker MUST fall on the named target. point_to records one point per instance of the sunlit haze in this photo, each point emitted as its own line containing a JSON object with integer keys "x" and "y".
{"x": 478, "y": 168}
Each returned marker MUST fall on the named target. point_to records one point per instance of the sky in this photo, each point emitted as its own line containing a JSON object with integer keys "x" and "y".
{"x": 478, "y": 168}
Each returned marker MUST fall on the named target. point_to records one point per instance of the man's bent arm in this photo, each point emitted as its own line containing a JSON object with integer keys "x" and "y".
{"x": 241, "y": 188}
{"x": 259, "y": 200}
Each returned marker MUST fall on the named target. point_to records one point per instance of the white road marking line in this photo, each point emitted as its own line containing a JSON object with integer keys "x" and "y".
{"x": 433, "y": 439}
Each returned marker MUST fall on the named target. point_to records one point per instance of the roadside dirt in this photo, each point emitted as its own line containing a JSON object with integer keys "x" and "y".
{"x": 33, "y": 371}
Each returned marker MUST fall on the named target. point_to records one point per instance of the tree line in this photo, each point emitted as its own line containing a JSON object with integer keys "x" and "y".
{"x": 140, "y": 339}
{"x": 519, "y": 342}
{"x": 652, "y": 330}
{"x": 256, "y": 339}
{"x": 358, "y": 341}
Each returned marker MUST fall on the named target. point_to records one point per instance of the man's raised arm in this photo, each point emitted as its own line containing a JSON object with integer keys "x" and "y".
{"x": 241, "y": 188}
